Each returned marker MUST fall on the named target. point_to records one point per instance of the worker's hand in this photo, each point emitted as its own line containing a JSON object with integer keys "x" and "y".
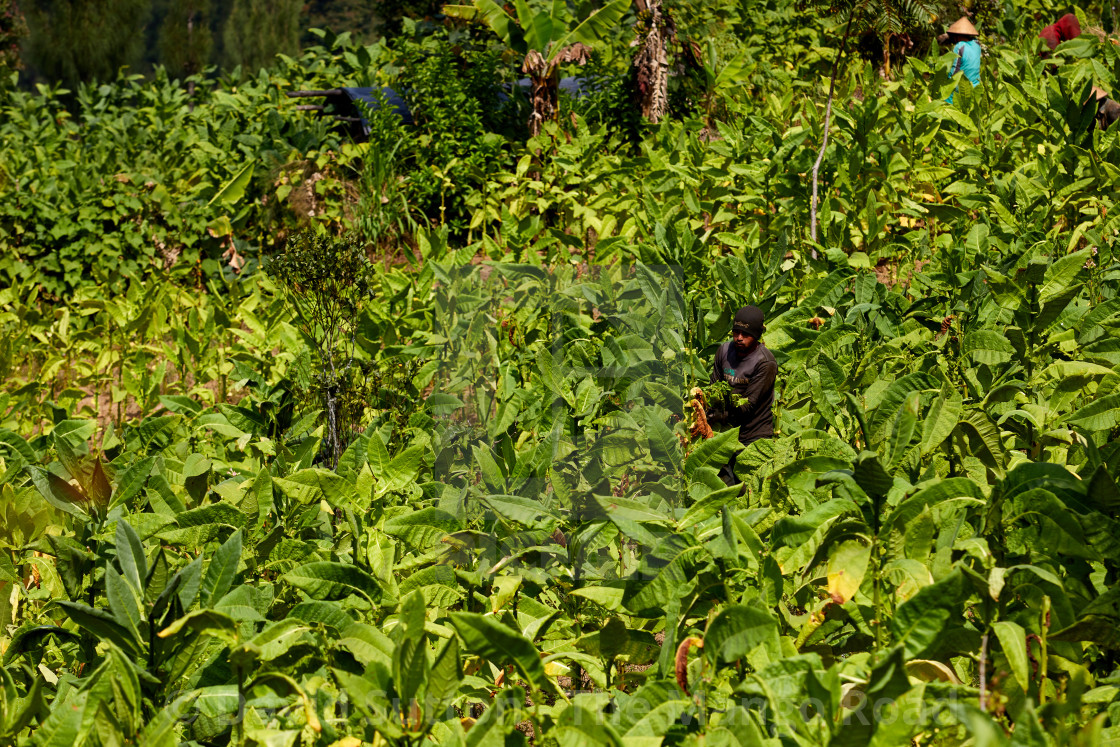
{"x": 715, "y": 417}
{"x": 943, "y": 38}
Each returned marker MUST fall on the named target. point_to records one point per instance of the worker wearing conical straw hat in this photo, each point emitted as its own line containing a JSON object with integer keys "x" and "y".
{"x": 963, "y": 27}
{"x": 1108, "y": 111}
{"x": 966, "y": 50}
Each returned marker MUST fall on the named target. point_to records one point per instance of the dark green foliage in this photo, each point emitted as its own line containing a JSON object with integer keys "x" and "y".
{"x": 78, "y": 41}
{"x": 391, "y": 15}
{"x": 185, "y": 38}
{"x": 461, "y": 98}
{"x": 359, "y": 17}
{"x": 157, "y": 179}
{"x": 257, "y": 30}
{"x": 607, "y": 100}
{"x": 13, "y": 31}
{"x": 519, "y": 531}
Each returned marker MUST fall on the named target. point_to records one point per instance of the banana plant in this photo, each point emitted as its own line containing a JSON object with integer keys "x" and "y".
{"x": 547, "y": 38}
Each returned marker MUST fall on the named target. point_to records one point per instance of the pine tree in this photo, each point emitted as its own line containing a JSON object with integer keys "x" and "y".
{"x": 257, "y": 30}
{"x": 185, "y": 41}
{"x": 74, "y": 41}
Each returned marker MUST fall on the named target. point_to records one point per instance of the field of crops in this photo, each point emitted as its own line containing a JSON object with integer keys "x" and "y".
{"x": 313, "y": 442}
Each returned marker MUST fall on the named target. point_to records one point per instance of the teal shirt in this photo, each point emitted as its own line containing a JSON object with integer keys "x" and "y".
{"x": 967, "y": 59}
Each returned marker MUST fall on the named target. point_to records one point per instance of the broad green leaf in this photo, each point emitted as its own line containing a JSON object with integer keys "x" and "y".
{"x": 599, "y": 25}
{"x": 656, "y": 722}
{"x": 162, "y": 729}
{"x": 274, "y": 641}
{"x": 240, "y": 603}
{"x": 311, "y": 485}
{"x": 74, "y": 432}
{"x": 213, "y": 514}
{"x": 988, "y": 347}
{"x": 233, "y": 190}
{"x": 578, "y": 727}
{"x": 904, "y": 429}
{"x": 486, "y": 637}
{"x": 437, "y": 584}
{"x": 410, "y": 659}
{"x": 528, "y": 512}
{"x": 732, "y": 70}
{"x": 262, "y": 498}
{"x": 632, "y": 510}
{"x": 29, "y": 637}
{"x": 1062, "y": 273}
{"x": 422, "y": 528}
{"x": 18, "y": 445}
{"x": 367, "y": 644}
{"x": 328, "y": 614}
{"x": 205, "y": 622}
{"x": 1099, "y": 415}
{"x": 491, "y": 474}
{"x": 888, "y": 681}
{"x": 847, "y": 565}
{"x": 57, "y": 492}
{"x": 927, "y": 670}
{"x": 1098, "y": 622}
{"x": 100, "y": 624}
{"x": 403, "y": 469}
{"x": 1013, "y": 641}
{"x": 654, "y": 587}
{"x": 942, "y": 417}
{"x": 130, "y": 556}
{"x": 327, "y": 580}
{"x": 123, "y": 601}
{"x": 978, "y": 424}
{"x": 738, "y": 629}
{"x": 63, "y": 727}
{"x": 608, "y": 597}
{"x": 444, "y": 678}
{"x": 131, "y": 481}
{"x": 712, "y": 452}
{"x": 977, "y": 242}
{"x": 869, "y": 474}
{"x": 221, "y": 570}
{"x": 919, "y": 622}
{"x": 492, "y": 13}
{"x": 940, "y": 491}
{"x": 663, "y": 444}
{"x": 191, "y": 582}
{"x": 100, "y": 491}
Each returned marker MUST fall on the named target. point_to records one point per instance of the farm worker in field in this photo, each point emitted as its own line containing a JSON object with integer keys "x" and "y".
{"x": 1064, "y": 29}
{"x": 962, "y": 35}
{"x": 1108, "y": 111}
{"x": 749, "y": 369}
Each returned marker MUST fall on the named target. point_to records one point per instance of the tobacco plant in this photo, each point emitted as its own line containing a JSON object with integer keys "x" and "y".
{"x": 520, "y": 540}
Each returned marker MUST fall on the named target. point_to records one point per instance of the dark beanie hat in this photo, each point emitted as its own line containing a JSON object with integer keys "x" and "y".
{"x": 748, "y": 320}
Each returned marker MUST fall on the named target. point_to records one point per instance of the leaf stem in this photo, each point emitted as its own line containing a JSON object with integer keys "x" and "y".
{"x": 983, "y": 672}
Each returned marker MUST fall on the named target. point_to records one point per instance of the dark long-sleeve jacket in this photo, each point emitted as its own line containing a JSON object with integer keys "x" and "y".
{"x": 751, "y": 376}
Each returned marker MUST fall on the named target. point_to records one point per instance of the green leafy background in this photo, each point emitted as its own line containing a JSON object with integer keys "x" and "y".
{"x": 522, "y": 542}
